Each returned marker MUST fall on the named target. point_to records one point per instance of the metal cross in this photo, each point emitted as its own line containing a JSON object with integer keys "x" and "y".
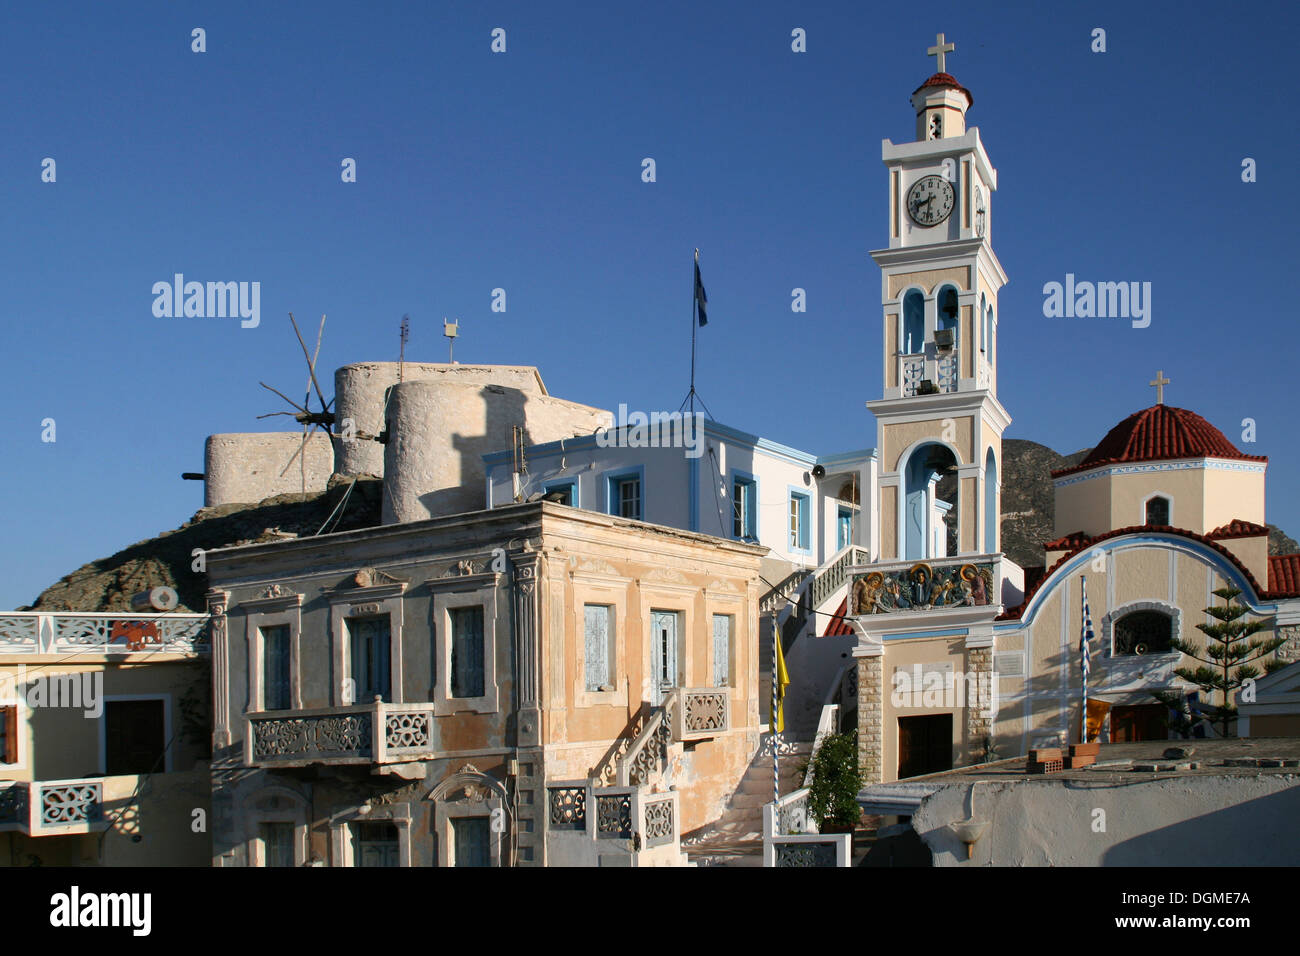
{"x": 1159, "y": 383}
{"x": 938, "y": 50}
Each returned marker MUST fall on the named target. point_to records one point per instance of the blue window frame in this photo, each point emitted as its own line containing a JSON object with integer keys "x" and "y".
{"x": 744, "y": 506}
{"x": 844, "y": 527}
{"x": 913, "y": 323}
{"x": 568, "y": 488}
{"x": 371, "y": 640}
{"x": 625, "y": 494}
{"x": 800, "y": 527}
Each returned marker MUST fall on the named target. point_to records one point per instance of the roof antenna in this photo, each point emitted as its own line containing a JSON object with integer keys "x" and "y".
{"x": 450, "y": 330}
{"x": 405, "y": 336}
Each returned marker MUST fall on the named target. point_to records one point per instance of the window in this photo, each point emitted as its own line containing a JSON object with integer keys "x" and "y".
{"x": 984, "y": 334}
{"x": 844, "y": 527}
{"x": 466, "y": 651}
{"x": 275, "y": 668}
{"x": 627, "y": 497}
{"x": 134, "y": 736}
{"x": 9, "y": 734}
{"x": 376, "y": 843}
{"x": 800, "y": 537}
{"x": 563, "y": 493}
{"x": 744, "y": 504}
{"x": 472, "y": 837}
{"x": 946, "y": 316}
{"x": 598, "y": 630}
{"x": 1143, "y": 632}
{"x": 722, "y": 624}
{"x": 277, "y": 844}
{"x": 371, "y": 642}
{"x": 913, "y": 323}
{"x": 1158, "y": 511}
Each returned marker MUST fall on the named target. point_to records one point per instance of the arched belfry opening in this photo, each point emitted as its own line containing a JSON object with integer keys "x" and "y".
{"x": 991, "y": 511}
{"x": 930, "y": 507}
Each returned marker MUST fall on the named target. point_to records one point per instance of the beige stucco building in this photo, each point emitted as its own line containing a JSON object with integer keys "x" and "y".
{"x": 531, "y": 685}
{"x": 103, "y": 739}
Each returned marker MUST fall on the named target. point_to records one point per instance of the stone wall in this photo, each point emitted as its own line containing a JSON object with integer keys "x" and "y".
{"x": 245, "y": 468}
{"x": 871, "y": 672}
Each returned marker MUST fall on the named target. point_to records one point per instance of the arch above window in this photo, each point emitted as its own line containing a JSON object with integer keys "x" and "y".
{"x": 946, "y": 308}
{"x": 1157, "y": 511}
{"x": 1141, "y": 629}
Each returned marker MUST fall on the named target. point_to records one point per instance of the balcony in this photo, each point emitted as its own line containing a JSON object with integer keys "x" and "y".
{"x": 701, "y": 713}
{"x": 943, "y": 587}
{"x": 375, "y": 733}
{"x": 53, "y": 807}
{"x": 110, "y": 633}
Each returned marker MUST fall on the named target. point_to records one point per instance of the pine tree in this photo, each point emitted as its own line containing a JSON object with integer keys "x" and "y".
{"x": 1225, "y": 658}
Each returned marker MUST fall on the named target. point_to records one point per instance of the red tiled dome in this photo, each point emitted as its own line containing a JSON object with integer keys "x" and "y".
{"x": 945, "y": 79}
{"x": 1160, "y": 433}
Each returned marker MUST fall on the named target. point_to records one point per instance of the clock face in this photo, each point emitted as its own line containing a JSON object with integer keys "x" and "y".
{"x": 979, "y": 211}
{"x": 929, "y": 201}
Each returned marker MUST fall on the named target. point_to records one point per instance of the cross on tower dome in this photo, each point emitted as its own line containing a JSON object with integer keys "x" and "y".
{"x": 938, "y": 51}
{"x": 1159, "y": 383}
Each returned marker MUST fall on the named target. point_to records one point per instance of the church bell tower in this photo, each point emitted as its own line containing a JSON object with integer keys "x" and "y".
{"x": 939, "y": 421}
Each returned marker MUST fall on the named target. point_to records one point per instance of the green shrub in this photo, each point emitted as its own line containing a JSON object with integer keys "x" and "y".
{"x": 833, "y": 790}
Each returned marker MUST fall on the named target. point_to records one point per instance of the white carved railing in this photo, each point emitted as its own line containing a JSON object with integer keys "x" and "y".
{"x": 110, "y": 632}
{"x": 779, "y": 596}
{"x": 948, "y": 372}
{"x": 790, "y": 836}
{"x": 702, "y": 712}
{"x": 911, "y": 371}
{"x": 831, "y": 576}
{"x": 366, "y": 733}
{"x": 648, "y": 750}
{"x": 588, "y": 825}
{"x": 53, "y": 807}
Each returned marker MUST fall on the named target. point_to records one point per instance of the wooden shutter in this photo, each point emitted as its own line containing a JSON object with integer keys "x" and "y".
{"x": 596, "y": 646}
{"x": 721, "y": 649}
{"x": 9, "y": 746}
{"x": 467, "y": 672}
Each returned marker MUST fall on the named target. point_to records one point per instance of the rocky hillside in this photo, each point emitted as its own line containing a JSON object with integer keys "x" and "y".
{"x": 107, "y": 584}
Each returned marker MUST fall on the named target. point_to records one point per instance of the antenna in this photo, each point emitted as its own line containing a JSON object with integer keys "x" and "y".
{"x": 450, "y": 330}
{"x": 405, "y": 336}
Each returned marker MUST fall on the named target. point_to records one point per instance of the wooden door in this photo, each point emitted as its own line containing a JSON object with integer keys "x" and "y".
{"x": 924, "y": 744}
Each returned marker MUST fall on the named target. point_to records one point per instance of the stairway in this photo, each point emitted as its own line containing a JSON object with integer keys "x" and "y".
{"x": 736, "y": 837}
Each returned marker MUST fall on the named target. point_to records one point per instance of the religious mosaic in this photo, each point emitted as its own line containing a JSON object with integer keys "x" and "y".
{"x": 922, "y": 587}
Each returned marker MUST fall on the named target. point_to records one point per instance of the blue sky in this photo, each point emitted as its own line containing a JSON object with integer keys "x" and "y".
{"x": 522, "y": 171}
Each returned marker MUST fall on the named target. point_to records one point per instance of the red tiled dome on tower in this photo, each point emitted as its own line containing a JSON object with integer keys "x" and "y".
{"x": 1160, "y": 433}
{"x": 945, "y": 79}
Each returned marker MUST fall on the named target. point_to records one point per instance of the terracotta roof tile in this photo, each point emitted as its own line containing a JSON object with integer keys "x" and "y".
{"x": 1236, "y": 528}
{"x": 1068, "y": 542}
{"x": 1160, "y": 433}
{"x": 838, "y": 627}
{"x": 945, "y": 79}
{"x": 1284, "y": 575}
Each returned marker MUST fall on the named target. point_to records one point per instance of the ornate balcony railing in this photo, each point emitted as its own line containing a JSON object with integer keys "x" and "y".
{"x": 114, "y": 632}
{"x": 377, "y": 733}
{"x": 648, "y": 750}
{"x": 790, "y": 836}
{"x": 779, "y": 595}
{"x": 926, "y": 585}
{"x": 53, "y": 807}
{"x": 658, "y": 827}
{"x": 831, "y": 578}
{"x": 702, "y": 712}
{"x": 589, "y": 825}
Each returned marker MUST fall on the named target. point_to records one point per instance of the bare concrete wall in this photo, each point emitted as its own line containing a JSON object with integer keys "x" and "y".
{"x": 438, "y": 432}
{"x": 1209, "y": 820}
{"x": 245, "y": 467}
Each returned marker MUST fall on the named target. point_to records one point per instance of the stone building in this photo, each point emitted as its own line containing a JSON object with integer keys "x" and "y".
{"x": 530, "y": 685}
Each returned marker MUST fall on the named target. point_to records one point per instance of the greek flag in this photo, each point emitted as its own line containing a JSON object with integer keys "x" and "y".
{"x": 1085, "y": 636}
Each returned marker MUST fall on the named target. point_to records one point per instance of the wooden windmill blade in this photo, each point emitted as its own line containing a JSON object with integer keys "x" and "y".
{"x": 311, "y": 362}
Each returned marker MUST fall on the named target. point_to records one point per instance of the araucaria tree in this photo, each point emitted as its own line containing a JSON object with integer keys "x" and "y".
{"x": 1226, "y": 658}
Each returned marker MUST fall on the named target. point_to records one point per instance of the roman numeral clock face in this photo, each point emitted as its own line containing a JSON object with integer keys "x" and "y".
{"x": 929, "y": 201}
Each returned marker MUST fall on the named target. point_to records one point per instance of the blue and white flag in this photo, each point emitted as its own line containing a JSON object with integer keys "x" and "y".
{"x": 1085, "y": 637}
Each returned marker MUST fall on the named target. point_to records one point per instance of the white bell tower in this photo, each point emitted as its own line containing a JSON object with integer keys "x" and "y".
{"x": 939, "y": 415}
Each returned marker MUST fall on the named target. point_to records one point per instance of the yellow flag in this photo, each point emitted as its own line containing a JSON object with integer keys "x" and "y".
{"x": 782, "y": 678}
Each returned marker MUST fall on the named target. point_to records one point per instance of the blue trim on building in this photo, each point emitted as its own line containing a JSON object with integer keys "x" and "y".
{"x": 571, "y": 482}
{"x": 1227, "y": 569}
{"x": 848, "y": 457}
{"x": 805, "y": 520}
{"x": 607, "y": 479}
{"x": 738, "y": 474}
{"x": 950, "y": 632}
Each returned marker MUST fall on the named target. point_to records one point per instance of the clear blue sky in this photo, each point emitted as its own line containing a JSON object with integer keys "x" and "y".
{"x": 522, "y": 171}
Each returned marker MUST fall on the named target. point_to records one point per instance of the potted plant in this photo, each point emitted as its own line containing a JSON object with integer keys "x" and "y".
{"x": 836, "y": 780}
